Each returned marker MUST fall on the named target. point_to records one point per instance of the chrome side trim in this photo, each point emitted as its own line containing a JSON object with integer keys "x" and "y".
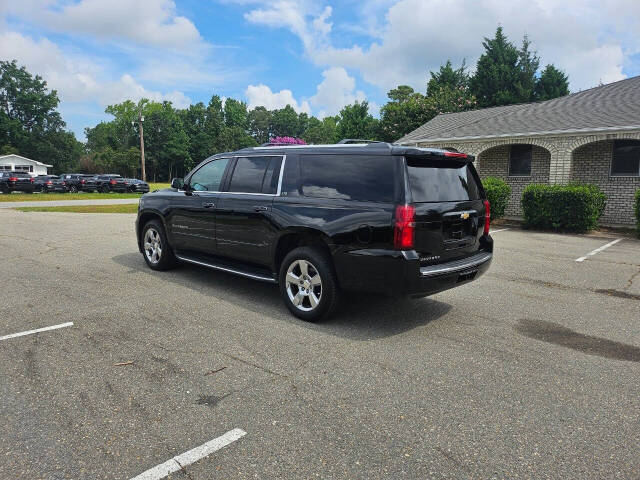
{"x": 456, "y": 266}
{"x": 226, "y": 269}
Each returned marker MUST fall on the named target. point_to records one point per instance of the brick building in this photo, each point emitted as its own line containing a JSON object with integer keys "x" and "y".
{"x": 589, "y": 137}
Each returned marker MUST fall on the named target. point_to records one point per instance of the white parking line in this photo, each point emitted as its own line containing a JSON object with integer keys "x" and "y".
{"x": 499, "y": 230}
{"x": 598, "y": 250}
{"x": 187, "y": 458}
{"x": 37, "y": 330}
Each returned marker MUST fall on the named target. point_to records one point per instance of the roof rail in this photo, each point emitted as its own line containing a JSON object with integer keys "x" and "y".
{"x": 347, "y": 141}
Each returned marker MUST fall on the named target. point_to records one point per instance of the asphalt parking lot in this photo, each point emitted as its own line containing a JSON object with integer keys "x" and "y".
{"x": 533, "y": 371}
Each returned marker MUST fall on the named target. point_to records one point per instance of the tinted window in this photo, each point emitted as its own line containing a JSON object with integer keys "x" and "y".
{"x": 349, "y": 177}
{"x": 626, "y": 158}
{"x": 431, "y": 181}
{"x": 520, "y": 160}
{"x": 209, "y": 176}
{"x": 250, "y": 174}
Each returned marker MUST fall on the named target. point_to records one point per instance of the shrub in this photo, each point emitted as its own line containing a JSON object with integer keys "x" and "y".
{"x": 572, "y": 208}
{"x": 498, "y": 193}
{"x": 637, "y": 211}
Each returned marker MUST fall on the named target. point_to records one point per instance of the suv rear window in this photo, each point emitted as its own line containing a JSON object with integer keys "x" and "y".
{"x": 437, "y": 181}
{"x": 256, "y": 175}
{"x": 349, "y": 177}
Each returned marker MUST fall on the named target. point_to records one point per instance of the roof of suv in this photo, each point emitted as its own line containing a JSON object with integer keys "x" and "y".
{"x": 377, "y": 148}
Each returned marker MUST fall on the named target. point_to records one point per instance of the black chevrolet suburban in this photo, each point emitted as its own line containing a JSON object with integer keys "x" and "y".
{"x": 323, "y": 219}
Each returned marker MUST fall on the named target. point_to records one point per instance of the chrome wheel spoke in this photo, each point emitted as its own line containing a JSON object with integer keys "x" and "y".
{"x": 313, "y": 300}
{"x": 291, "y": 278}
{"x": 316, "y": 280}
{"x": 297, "y": 300}
{"x": 304, "y": 267}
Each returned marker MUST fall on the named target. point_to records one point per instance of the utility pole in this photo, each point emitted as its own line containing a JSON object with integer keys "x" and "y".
{"x": 140, "y": 121}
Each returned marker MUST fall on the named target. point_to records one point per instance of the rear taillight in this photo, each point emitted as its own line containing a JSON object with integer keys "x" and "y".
{"x": 404, "y": 229}
{"x": 82, "y": 181}
{"x": 64, "y": 183}
{"x": 49, "y": 182}
{"x": 112, "y": 182}
{"x": 13, "y": 179}
{"x": 31, "y": 179}
{"x": 455, "y": 155}
{"x": 487, "y": 216}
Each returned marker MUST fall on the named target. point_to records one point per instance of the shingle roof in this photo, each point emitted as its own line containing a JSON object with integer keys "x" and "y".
{"x": 608, "y": 106}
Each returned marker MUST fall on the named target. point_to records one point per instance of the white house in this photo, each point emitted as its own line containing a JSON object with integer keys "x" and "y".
{"x": 16, "y": 163}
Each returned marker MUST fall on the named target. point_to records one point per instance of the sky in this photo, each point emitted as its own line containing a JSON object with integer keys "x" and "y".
{"x": 316, "y": 56}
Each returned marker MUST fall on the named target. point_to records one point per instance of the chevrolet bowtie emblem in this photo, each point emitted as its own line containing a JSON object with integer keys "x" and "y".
{"x": 464, "y": 216}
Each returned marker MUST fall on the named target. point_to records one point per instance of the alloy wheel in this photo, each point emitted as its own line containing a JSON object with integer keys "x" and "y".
{"x": 152, "y": 245}
{"x": 304, "y": 285}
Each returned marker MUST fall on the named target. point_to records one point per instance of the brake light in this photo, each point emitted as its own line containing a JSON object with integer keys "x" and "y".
{"x": 487, "y": 216}
{"x": 49, "y": 182}
{"x": 31, "y": 179}
{"x": 404, "y": 230}
{"x": 64, "y": 183}
{"x": 81, "y": 181}
{"x": 13, "y": 179}
{"x": 455, "y": 155}
{"x": 112, "y": 182}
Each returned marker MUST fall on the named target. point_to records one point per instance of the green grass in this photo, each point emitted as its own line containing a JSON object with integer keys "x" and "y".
{"x": 45, "y": 197}
{"x": 127, "y": 208}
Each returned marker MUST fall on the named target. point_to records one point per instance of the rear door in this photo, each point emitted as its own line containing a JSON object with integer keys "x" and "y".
{"x": 243, "y": 215}
{"x": 447, "y": 195}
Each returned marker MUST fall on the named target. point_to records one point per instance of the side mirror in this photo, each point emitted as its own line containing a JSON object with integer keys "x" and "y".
{"x": 177, "y": 183}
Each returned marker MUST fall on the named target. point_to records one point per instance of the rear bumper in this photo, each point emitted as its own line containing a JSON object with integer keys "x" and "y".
{"x": 400, "y": 273}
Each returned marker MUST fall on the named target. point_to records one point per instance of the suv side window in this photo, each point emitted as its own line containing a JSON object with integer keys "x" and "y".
{"x": 256, "y": 175}
{"x": 209, "y": 177}
{"x": 353, "y": 177}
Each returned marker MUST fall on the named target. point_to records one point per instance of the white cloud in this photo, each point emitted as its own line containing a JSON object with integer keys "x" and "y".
{"x": 262, "y": 95}
{"x": 77, "y": 79}
{"x": 588, "y": 39}
{"x": 145, "y": 22}
{"x": 336, "y": 90}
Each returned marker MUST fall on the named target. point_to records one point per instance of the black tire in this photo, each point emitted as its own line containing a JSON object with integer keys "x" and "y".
{"x": 329, "y": 290}
{"x": 73, "y": 189}
{"x": 166, "y": 260}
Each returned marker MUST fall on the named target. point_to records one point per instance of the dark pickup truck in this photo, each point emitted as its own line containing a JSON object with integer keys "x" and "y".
{"x": 321, "y": 220}
{"x": 16, "y": 182}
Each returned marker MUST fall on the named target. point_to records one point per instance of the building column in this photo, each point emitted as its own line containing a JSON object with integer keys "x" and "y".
{"x": 560, "y": 166}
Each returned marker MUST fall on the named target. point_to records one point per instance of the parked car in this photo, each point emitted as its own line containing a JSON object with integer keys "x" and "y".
{"x": 110, "y": 183}
{"x": 319, "y": 220}
{"x": 79, "y": 182}
{"x": 135, "y": 185}
{"x": 16, "y": 182}
{"x": 49, "y": 183}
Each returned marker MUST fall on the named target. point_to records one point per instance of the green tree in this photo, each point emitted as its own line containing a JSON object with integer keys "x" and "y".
{"x": 29, "y": 121}
{"x": 284, "y": 122}
{"x": 447, "y": 77}
{"x": 552, "y": 83}
{"x": 320, "y": 131}
{"x": 235, "y": 113}
{"x": 528, "y": 63}
{"x": 401, "y": 93}
{"x": 260, "y": 124}
{"x": 355, "y": 121}
{"x": 497, "y": 72}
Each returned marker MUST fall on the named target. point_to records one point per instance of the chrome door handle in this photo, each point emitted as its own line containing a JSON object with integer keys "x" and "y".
{"x": 260, "y": 208}
{"x": 208, "y": 205}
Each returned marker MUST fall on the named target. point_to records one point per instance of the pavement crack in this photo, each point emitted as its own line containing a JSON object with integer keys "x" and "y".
{"x": 183, "y": 469}
{"x": 631, "y": 279}
{"x": 255, "y": 365}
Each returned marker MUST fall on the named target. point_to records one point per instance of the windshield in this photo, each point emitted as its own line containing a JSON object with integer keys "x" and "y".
{"x": 441, "y": 181}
